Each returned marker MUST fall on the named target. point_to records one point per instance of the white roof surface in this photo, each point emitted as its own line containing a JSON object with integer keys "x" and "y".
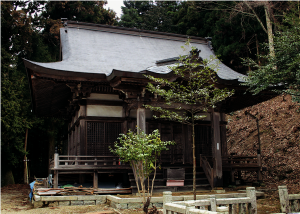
{"x": 92, "y": 51}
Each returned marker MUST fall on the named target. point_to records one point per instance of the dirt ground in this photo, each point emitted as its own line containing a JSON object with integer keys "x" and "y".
{"x": 14, "y": 199}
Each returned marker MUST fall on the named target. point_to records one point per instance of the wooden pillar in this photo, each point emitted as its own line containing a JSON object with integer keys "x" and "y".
{"x": 125, "y": 127}
{"x": 82, "y": 135}
{"x": 216, "y": 147}
{"x": 95, "y": 180}
{"x": 223, "y": 136}
{"x": 55, "y": 179}
{"x": 55, "y": 182}
{"x": 69, "y": 139}
{"x": 141, "y": 120}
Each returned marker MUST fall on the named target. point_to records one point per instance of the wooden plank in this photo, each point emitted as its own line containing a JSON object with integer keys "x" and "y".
{"x": 91, "y": 167}
{"x": 85, "y": 156}
{"x": 87, "y": 161}
{"x": 48, "y": 193}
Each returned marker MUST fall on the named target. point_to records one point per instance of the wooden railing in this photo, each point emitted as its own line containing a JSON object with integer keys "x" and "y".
{"x": 212, "y": 204}
{"x": 80, "y": 161}
{"x": 208, "y": 170}
{"x": 241, "y": 161}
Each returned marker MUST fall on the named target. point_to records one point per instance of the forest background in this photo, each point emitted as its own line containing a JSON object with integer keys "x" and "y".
{"x": 30, "y": 30}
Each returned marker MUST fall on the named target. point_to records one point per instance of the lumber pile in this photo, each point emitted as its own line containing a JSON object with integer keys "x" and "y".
{"x": 64, "y": 191}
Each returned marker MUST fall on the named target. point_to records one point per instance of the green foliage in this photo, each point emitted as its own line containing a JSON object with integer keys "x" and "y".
{"x": 193, "y": 92}
{"x": 13, "y": 120}
{"x": 84, "y": 11}
{"x": 133, "y": 13}
{"x": 282, "y": 72}
{"x": 15, "y": 36}
{"x": 136, "y": 147}
{"x": 142, "y": 151}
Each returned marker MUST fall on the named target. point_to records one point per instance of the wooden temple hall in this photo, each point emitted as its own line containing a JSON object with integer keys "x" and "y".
{"x": 100, "y": 88}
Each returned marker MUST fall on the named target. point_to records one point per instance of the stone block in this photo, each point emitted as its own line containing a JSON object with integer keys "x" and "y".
{"x": 100, "y": 197}
{"x": 89, "y": 202}
{"x": 53, "y": 204}
{"x": 38, "y": 204}
{"x": 223, "y": 210}
{"x": 36, "y": 197}
{"x": 76, "y": 203}
{"x": 64, "y": 203}
{"x": 157, "y": 205}
{"x": 135, "y": 205}
{"x": 100, "y": 202}
{"x": 119, "y": 205}
{"x": 157, "y": 199}
{"x": 113, "y": 198}
{"x": 59, "y": 198}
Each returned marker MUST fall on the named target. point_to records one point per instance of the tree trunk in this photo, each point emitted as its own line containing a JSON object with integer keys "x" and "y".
{"x": 270, "y": 31}
{"x": 25, "y": 160}
{"x": 8, "y": 178}
{"x": 194, "y": 157}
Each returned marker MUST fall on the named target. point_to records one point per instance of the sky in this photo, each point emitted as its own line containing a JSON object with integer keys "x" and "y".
{"x": 115, "y": 5}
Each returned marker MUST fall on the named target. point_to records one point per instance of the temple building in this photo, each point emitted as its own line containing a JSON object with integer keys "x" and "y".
{"x": 100, "y": 88}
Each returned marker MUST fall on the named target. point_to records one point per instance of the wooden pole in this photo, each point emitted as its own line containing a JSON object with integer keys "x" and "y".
{"x": 25, "y": 160}
{"x": 194, "y": 158}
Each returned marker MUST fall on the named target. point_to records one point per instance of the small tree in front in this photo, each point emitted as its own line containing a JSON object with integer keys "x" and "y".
{"x": 193, "y": 92}
{"x": 142, "y": 151}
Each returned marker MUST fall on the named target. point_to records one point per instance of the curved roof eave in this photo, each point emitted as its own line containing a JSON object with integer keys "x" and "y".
{"x": 94, "y": 77}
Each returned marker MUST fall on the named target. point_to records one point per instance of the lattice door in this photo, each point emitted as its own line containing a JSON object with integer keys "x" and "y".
{"x": 101, "y": 136}
{"x": 169, "y": 132}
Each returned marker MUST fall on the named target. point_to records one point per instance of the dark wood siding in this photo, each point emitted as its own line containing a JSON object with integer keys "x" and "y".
{"x": 203, "y": 141}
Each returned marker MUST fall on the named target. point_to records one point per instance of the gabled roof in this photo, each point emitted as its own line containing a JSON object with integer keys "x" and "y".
{"x": 92, "y": 50}
{"x": 101, "y": 55}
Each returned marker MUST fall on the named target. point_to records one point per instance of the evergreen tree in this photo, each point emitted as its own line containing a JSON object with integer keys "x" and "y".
{"x": 16, "y": 43}
{"x": 134, "y": 13}
{"x": 281, "y": 72}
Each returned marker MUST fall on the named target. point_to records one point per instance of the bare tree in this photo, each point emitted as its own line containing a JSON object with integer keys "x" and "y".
{"x": 250, "y": 9}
